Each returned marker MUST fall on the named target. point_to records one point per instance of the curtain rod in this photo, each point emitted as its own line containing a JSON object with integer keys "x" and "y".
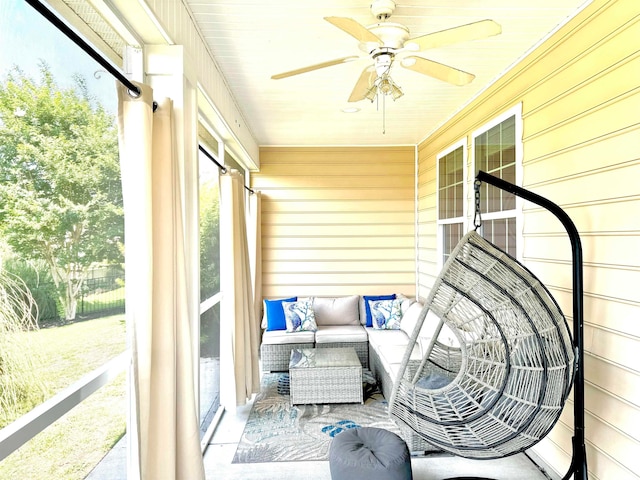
{"x": 219, "y": 165}
{"x": 79, "y": 41}
{"x": 106, "y": 64}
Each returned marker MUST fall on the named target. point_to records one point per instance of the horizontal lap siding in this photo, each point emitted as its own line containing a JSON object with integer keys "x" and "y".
{"x": 580, "y": 95}
{"x": 337, "y": 221}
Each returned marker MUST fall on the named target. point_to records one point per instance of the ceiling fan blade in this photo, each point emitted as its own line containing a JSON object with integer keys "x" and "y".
{"x": 317, "y": 66}
{"x": 463, "y": 33}
{"x": 437, "y": 70}
{"x": 363, "y": 84}
{"x": 355, "y": 29}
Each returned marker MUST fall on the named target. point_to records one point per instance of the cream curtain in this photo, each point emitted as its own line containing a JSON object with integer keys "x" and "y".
{"x": 164, "y": 419}
{"x": 239, "y": 375}
{"x": 255, "y": 254}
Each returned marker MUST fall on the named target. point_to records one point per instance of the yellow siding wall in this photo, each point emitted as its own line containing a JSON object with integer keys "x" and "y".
{"x": 580, "y": 95}
{"x": 337, "y": 221}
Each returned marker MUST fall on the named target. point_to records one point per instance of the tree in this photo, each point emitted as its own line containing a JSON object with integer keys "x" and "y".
{"x": 60, "y": 190}
{"x": 209, "y": 239}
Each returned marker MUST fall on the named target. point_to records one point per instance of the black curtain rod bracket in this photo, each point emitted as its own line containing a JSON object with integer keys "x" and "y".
{"x": 47, "y": 13}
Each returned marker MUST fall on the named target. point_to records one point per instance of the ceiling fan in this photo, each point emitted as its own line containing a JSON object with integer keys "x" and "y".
{"x": 385, "y": 42}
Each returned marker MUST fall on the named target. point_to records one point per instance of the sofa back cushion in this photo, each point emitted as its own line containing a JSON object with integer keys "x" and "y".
{"x": 405, "y": 302}
{"x": 410, "y": 318}
{"x": 337, "y": 310}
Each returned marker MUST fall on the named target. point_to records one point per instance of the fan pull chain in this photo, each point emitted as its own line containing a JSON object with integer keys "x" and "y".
{"x": 477, "y": 218}
{"x": 384, "y": 121}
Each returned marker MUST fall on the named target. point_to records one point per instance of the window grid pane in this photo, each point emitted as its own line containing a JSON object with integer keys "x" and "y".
{"x": 450, "y": 188}
{"x": 494, "y": 152}
{"x": 452, "y": 234}
{"x": 502, "y": 233}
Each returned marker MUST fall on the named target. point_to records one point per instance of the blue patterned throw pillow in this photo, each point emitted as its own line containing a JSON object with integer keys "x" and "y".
{"x": 367, "y": 308}
{"x": 299, "y": 316}
{"x": 385, "y": 314}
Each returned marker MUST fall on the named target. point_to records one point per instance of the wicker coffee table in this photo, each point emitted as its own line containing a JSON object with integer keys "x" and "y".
{"x": 325, "y": 375}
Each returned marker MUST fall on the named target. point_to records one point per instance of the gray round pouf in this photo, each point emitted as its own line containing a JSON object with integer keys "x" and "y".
{"x": 369, "y": 453}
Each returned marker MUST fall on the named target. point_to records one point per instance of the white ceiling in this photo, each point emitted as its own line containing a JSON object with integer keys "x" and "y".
{"x": 252, "y": 40}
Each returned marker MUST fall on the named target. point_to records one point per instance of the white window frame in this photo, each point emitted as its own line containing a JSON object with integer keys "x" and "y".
{"x": 515, "y": 111}
{"x": 447, "y": 221}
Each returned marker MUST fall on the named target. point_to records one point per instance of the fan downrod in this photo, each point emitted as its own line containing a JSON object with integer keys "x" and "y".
{"x": 382, "y": 9}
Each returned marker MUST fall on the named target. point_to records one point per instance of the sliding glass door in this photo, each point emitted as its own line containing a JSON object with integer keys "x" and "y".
{"x": 209, "y": 292}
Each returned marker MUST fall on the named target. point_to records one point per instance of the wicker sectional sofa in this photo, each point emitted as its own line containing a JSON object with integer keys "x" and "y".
{"x": 341, "y": 322}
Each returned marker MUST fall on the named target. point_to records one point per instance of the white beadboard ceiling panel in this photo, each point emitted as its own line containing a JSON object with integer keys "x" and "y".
{"x": 252, "y": 40}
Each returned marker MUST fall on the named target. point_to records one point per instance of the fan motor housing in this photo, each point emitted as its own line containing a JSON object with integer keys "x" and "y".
{"x": 393, "y": 36}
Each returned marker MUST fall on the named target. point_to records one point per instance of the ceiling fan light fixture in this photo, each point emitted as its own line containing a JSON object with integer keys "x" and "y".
{"x": 396, "y": 92}
{"x": 386, "y": 86}
{"x": 371, "y": 93}
{"x": 383, "y": 85}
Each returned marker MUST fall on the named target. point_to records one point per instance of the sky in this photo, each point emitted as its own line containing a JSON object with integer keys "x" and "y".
{"x": 26, "y": 37}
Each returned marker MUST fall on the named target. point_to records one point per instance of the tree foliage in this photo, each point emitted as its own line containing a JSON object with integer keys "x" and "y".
{"x": 60, "y": 190}
{"x": 209, "y": 240}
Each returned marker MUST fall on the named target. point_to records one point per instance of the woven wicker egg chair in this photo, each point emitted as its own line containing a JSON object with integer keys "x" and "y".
{"x": 500, "y": 385}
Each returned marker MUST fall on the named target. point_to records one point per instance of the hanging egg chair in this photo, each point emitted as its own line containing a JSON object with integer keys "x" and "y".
{"x": 499, "y": 387}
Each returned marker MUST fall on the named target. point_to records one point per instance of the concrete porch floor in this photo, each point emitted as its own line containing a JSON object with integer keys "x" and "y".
{"x": 222, "y": 447}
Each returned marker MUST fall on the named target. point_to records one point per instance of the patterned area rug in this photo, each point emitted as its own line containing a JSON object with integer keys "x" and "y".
{"x": 279, "y": 432}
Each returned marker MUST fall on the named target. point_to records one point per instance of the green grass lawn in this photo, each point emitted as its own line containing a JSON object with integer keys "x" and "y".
{"x": 73, "y": 445}
{"x": 104, "y": 300}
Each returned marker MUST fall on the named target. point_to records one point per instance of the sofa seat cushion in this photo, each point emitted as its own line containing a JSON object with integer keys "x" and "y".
{"x": 393, "y": 370}
{"x": 386, "y": 337}
{"x": 393, "y": 354}
{"x": 340, "y": 333}
{"x": 282, "y": 337}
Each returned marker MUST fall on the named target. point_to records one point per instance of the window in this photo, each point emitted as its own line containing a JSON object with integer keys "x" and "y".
{"x": 450, "y": 201}
{"x": 209, "y": 200}
{"x": 496, "y": 150}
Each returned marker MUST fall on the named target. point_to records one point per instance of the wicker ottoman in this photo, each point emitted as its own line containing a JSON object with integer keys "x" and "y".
{"x": 369, "y": 453}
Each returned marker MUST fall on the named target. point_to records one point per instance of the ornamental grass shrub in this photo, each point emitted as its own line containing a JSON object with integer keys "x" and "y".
{"x": 20, "y": 388}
